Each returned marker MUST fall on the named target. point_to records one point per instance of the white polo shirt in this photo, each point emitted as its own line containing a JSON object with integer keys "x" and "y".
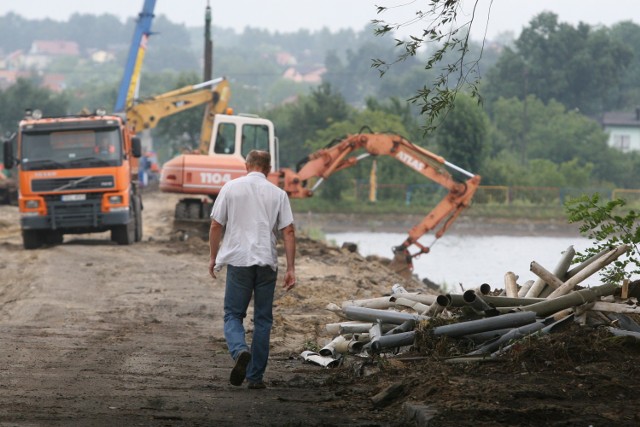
{"x": 251, "y": 209}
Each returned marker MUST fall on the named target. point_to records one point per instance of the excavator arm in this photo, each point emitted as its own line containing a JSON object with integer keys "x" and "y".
{"x": 147, "y": 113}
{"x": 338, "y": 155}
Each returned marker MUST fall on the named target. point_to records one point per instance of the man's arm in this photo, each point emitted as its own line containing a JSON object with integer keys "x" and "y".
{"x": 289, "y": 237}
{"x": 215, "y": 235}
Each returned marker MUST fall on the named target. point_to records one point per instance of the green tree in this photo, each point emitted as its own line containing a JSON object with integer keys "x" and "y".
{"x": 390, "y": 171}
{"x": 535, "y": 130}
{"x": 445, "y": 37}
{"x": 179, "y": 131}
{"x": 286, "y": 90}
{"x": 28, "y": 94}
{"x": 608, "y": 224}
{"x": 576, "y": 66}
{"x": 543, "y": 173}
{"x": 505, "y": 169}
{"x": 105, "y": 30}
{"x": 462, "y": 135}
{"x": 628, "y": 91}
{"x": 354, "y": 78}
{"x": 395, "y": 106}
{"x": 298, "y": 122}
{"x": 502, "y": 168}
{"x": 575, "y": 175}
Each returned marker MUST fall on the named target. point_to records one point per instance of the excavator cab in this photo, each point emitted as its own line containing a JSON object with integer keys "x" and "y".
{"x": 225, "y": 139}
{"x": 237, "y": 135}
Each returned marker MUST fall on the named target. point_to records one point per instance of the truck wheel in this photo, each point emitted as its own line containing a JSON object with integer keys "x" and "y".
{"x": 32, "y": 239}
{"x": 54, "y": 237}
{"x": 125, "y": 234}
{"x": 137, "y": 206}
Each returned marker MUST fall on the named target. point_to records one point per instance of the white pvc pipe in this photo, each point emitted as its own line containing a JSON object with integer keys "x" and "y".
{"x": 381, "y": 303}
{"x": 597, "y": 265}
{"x": 510, "y": 285}
{"x": 415, "y": 305}
{"x": 313, "y": 357}
{"x": 614, "y": 307}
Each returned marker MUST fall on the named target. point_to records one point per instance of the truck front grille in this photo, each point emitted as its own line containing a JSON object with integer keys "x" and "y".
{"x": 74, "y": 183}
{"x": 85, "y": 213}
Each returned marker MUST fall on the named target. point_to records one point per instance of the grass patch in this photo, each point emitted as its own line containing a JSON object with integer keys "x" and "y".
{"x": 513, "y": 211}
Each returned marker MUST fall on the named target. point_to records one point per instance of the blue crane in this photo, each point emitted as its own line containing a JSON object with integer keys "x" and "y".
{"x": 136, "y": 55}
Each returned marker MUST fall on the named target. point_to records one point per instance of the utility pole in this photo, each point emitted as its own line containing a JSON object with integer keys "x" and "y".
{"x": 208, "y": 45}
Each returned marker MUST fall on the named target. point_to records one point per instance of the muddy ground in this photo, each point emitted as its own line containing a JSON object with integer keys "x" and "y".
{"x": 93, "y": 333}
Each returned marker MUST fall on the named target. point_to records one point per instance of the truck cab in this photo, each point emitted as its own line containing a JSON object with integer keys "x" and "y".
{"x": 76, "y": 174}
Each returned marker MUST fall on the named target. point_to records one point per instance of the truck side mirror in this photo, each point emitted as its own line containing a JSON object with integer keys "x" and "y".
{"x": 136, "y": 146}
{"x": 7, "y": 151}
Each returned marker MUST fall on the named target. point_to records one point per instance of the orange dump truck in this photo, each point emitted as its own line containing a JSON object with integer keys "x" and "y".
{"x": 76, "y": 174}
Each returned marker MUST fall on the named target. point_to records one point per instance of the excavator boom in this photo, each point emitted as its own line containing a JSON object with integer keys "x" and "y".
{"x": 338, "y": 155}
{"x": 147, "y": 113}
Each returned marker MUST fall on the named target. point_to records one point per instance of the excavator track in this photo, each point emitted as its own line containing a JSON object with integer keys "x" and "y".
{"x": 191, "y": 219}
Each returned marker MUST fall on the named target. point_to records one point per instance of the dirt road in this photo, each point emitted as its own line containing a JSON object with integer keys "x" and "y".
{"x": 93, "y": 333}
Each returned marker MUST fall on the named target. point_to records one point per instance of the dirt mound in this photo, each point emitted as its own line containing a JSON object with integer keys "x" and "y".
{"x": 569, "y": 377}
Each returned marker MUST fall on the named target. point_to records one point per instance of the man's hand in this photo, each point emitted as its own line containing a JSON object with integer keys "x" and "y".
{"x": 212, "y": 265}
{"x": 289, "y": 280}
{"x": 215, "y": 235}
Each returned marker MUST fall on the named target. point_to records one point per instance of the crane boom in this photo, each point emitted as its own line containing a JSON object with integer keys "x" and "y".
{"x": 137, "y": 50}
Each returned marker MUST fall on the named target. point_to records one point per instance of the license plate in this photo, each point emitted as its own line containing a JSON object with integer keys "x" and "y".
{"x": 73, "y": 197}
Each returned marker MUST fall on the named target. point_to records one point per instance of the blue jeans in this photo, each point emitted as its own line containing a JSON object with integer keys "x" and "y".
{"x": 243, "y": 283}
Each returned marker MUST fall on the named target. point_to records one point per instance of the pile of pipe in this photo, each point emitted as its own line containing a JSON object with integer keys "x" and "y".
{"x": 498, "y": 319}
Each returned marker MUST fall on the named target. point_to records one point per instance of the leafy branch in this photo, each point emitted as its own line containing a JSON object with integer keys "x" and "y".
{"x": 609, "y": 226}
{"x": 443, "y": 32}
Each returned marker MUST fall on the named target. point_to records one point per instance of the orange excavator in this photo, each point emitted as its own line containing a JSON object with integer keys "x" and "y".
{"x": 337, "y": 156}
{"x": 233, "y": 136}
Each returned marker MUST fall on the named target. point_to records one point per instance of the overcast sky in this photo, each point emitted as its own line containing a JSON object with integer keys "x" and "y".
{"x": 291, "y": 15}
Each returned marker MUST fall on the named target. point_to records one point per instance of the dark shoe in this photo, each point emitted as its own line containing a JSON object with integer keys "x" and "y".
{"x": 257, "y": 386}
{"x": 239, "y": 370}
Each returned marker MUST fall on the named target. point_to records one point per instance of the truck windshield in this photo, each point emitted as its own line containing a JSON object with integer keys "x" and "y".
{"x": 71, "y": 149}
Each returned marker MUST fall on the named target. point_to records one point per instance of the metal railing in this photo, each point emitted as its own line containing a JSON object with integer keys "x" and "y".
{"x": 427, "y": 194}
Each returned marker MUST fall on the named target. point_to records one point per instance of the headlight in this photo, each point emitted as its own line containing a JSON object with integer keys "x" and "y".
{"x": 115, "y": 200}
{"x": 32, "y": 204}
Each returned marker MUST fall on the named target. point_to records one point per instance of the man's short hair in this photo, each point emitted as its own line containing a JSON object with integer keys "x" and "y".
{"x": 259, "y": 159}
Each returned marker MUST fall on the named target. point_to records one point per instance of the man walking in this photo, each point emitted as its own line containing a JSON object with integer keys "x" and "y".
{"x": 251, "y": 210}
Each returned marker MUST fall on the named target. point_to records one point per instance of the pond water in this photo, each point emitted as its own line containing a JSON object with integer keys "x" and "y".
{"x": 470, "y": 260}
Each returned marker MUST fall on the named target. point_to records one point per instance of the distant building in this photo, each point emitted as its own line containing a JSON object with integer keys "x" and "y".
{"x": 284, "y": 58}
{"x": 54, "y": 48}
{"x": 102, "y": 56}
{"x": 9, "y": 77}
{"x": 305, "y": 74}
{"x": 13, "y": 61}
{"x": 42, "y": 52}
{"x": 623, "y": 129}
